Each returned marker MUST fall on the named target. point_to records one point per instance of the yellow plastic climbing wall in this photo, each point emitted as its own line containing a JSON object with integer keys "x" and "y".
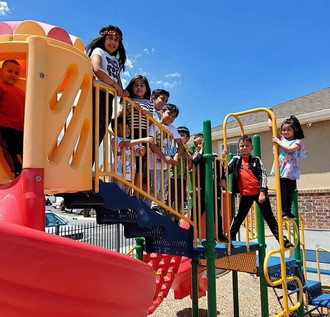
{"x": 57, "y": 78}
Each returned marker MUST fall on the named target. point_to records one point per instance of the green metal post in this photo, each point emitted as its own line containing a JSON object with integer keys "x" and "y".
{"x": 194, "y": 283}
{"x": 191, "y": 187}
{"x": 209, "y": 244}
{"x": 194, "y": 262}
{"x": 262, "y": 243}
{"x": 297, "y": 253}
{"x": 139, "y": 248}
{"x": 234, "y": 274}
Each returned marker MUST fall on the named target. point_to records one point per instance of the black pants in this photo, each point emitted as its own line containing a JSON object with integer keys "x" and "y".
{"x": 243, "y": 209}
{"x": 102, "y": 113}
{"x": 12, "y": 141}
{"x": 287, "y": 189}
{"x": 178, "y": 184}
{"x": 202, "y": 194}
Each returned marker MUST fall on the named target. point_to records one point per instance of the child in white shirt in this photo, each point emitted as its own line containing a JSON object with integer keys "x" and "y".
{"x": 123, "y": 149}
{"x": 161, "y": 153}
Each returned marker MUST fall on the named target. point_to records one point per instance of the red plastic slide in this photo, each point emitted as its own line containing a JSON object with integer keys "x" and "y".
{"x": 47, "y": 275}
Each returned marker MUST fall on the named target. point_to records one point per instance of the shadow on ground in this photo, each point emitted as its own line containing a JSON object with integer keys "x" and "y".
{"x": 187, "y": 312}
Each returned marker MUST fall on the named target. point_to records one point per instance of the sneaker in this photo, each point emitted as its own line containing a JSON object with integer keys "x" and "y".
{"x": 287, "y": 244}
{"x": 289, "y": 215}
{"x": 223, "y": 238}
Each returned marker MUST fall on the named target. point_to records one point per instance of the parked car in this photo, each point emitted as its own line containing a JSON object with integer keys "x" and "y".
{"x": 56, "y": 225}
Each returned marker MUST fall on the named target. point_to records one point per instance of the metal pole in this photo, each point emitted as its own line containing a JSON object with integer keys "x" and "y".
{"x": 261, "y": 241}
{"x": 234, "y": 275}
{"x": 194, "y": 283}
{"x": 57, "y": 228}
{"x": 297, "y": 253}
{"x": 194, "y": 262}
{"x": 118, "y": 237}
{"x": 139, "y": 248}
{"x": 209, "y": 244}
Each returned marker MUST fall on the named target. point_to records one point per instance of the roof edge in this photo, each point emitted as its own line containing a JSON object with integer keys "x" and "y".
{"x": 311, "y": 117}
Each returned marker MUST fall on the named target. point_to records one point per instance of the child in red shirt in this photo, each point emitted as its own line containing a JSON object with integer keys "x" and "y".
{"x": 250, "y": 180}
{"x": 12, "y": 101}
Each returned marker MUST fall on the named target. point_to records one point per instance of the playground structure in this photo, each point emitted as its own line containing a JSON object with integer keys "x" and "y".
{"x": 57, "y": 79}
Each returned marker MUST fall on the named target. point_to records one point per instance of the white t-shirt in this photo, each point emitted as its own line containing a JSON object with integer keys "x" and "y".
{"x": 166, "y": 144}
{"x": 157, "y": 115}
{"x": 110, "y": 63}
{"x": 121, "y": 151}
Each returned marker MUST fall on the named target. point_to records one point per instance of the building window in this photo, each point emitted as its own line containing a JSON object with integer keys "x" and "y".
{"x": 232, "y": 148}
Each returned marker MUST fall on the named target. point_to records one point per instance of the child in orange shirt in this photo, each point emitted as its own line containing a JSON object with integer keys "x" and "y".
{"x": 12, "y": 101}
{"x": 250, "y": 180}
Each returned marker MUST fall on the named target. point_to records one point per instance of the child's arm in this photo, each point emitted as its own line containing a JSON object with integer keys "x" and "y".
{"x": 179, "y": 151}
{"x": 101, "y": 74}
{"x": 196, "y": 157}
{"x": 270, "y": 122}
{"x": 263, "y": 183}
{"x": 125, "y": 92}
{"x": 287, "y": 148}
{"x": 145, "y": 111}
{"x": 188, "y": 158}
{"x": 140, "y": 150}
{"x": 230, "y": 164}
{"x": 166, "y": 158}
{"x": 133, "y": 142}
{"x": 262, "y": 197}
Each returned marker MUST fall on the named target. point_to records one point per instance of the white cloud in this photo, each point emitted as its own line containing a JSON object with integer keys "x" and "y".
{"x": 4, "y": 9}
{"x": 124, "y": 81}
{"x": 167, "y": 84}
{"x": 142, "y": 72}
{"x": 149, "y": 51}
{"x": 174, "y": 75}
{"x": 129, "y": 63}
{"x": 126, "y": 73}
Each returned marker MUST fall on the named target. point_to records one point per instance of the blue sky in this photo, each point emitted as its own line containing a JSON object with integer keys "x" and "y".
{"x": 215, "y": 57}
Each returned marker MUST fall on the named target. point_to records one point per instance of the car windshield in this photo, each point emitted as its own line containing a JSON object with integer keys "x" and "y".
{"x": 52, "y": 220}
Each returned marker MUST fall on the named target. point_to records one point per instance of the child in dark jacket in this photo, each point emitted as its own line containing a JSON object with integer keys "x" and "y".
{"x": 197, "y": 159}
{"x": 250, "y": 180}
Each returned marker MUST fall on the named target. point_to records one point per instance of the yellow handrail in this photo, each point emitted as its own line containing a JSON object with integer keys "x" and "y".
{"x": 318, "y": 260}
{"x": 284, "y": 279}
{"x": 104, "y": 163}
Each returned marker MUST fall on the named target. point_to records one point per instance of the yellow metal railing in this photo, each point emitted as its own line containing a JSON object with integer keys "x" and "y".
{"x": 106, "y": 158}
{"x": 283, "y": 281}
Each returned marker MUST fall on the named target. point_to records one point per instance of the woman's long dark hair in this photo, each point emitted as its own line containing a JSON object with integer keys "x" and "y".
{"x": 99, "y": 42}
{"x": 295, "y": 124}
